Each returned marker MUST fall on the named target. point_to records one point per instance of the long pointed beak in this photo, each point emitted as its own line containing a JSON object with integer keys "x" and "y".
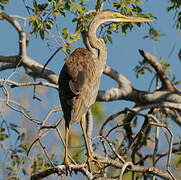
{"x": 134, "y": 19}
{"x": 123, "y": 18}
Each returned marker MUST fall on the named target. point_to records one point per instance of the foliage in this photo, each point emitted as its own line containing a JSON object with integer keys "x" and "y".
{"x": 175, "y": 6}
{"x": 44, "y": 16}
{"x": 2, "y": 3}
{"x": 25, "y": 154}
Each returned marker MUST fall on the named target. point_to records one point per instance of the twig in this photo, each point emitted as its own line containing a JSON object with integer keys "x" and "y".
{"x": 8, "y": 101}
{"x": 158, "y": 124}
{"x": 54, "y": 110}
{"x": 170, "y": 145}
{"x": 101, "y": 132}
{"x": 45, "y": 152}
{"x": 156, "y": 145}
{"x": 50, "y": 58}
{"x": 16, "y": 84}
{"x": 113, "y": 149}
{"x": 42, "y": 134}
{"x": 126, "y": 164}
{"x": 135, "y": 168}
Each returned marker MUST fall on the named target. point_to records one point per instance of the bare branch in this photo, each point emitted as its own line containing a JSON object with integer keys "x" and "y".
{"x": 15, "y": 84}
{"x": 126, "y": 164}
{"x": 21, "y": 109}
{"x": 32, "y": 67}
{"x": 116, "y": 163}
{"x": 124, "y": 84}
{"x": 14, "y": 23}
{"x": 142, "y": 169}
{"x": 166, "y": 83}
{"x": 54, "y": 110}
{"x": 22, "y": 35}
{"x": 7, "y": 66}
{"x": 61, "y": 169}
{"x": 113, "y": 149}
{"x": 9, "y": 59}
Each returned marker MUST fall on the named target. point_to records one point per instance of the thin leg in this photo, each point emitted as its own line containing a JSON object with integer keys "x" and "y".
{"x": 90, "y": 157}
{"x": 66, "y": 160}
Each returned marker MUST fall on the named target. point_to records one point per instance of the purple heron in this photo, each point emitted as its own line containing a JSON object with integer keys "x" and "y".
{"x": 79, "y": 78}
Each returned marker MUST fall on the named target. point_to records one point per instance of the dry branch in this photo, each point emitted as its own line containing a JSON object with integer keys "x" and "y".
{"x": 166, "y": 83}
{"x": 167, "y": 97}
{"x": 115, "y": 163}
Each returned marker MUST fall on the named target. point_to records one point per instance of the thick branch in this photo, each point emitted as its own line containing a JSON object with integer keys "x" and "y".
{"x": 22, "y": 35}
{"x": 124, "y": 84}
{"x": 137, "y": 96}
{"x": 116, "y": 163}
{"x": 142, "y": 169}
{"x": 166, "y": 83}
{"x": 61, "y": 170}
{"x": 9, "y": 59}
{"x": 7, "y": 66}
{"x": 37, "y": 70}
{"x": 12, "y": 21}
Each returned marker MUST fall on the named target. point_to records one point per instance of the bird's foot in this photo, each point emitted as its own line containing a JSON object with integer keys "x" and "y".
{"x": 94, "y": 165}
{"x": 68, "y": 164}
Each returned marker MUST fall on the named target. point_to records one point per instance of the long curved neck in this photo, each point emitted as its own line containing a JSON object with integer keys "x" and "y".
{"x": 96, "y": 43}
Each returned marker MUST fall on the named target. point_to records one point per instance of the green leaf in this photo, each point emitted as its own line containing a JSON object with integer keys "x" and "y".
{"x": 42, "y": 34}
{"x": 15, "y": 167}
{"x": 105, "y": 40}
{"x": 13, "y": 125}
{"x": 73, "y": 37}
{"x": 109, "y": 38}
{"x": 177, "y": 161}
{"x": 49, "y": 24}
{"x": 109, "y": 32}
{"x": 134, "y": 122}
{"x": 138, "y": 2}
{"x": 35, "y": 4}
{"x": 3, "y": 137}
{"x": 177, "y": 82}
{"x": 58, "y": 4}
{"x": 42, "y": 7}
{"x": 2, "y": 130}
{"x": 98, "y": 5}
{"x": 65, "y": 33}
{"x": 24, "y": 171}
{"x": 4, "y": 1}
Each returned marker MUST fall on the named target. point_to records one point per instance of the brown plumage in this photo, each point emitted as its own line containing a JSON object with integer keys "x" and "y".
{"x": 78, "y": 83}
{"x": 80, "y": 77}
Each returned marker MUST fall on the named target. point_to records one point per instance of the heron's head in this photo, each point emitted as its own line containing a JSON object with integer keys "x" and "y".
{"x": 112, "y": 16}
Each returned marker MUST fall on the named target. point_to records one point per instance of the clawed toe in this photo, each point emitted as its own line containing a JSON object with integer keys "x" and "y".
{"x": 68, "y": 167}
{"x": 94, "y": 165}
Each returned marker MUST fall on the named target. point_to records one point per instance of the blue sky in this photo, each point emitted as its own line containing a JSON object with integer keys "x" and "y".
{"x": 123, "y": 54}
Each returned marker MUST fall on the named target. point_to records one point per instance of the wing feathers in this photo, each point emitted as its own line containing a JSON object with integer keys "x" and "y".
{"x": 75, "y": 84}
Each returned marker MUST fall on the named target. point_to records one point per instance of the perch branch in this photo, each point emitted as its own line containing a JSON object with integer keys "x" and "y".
{"x": 106, "y": 160}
